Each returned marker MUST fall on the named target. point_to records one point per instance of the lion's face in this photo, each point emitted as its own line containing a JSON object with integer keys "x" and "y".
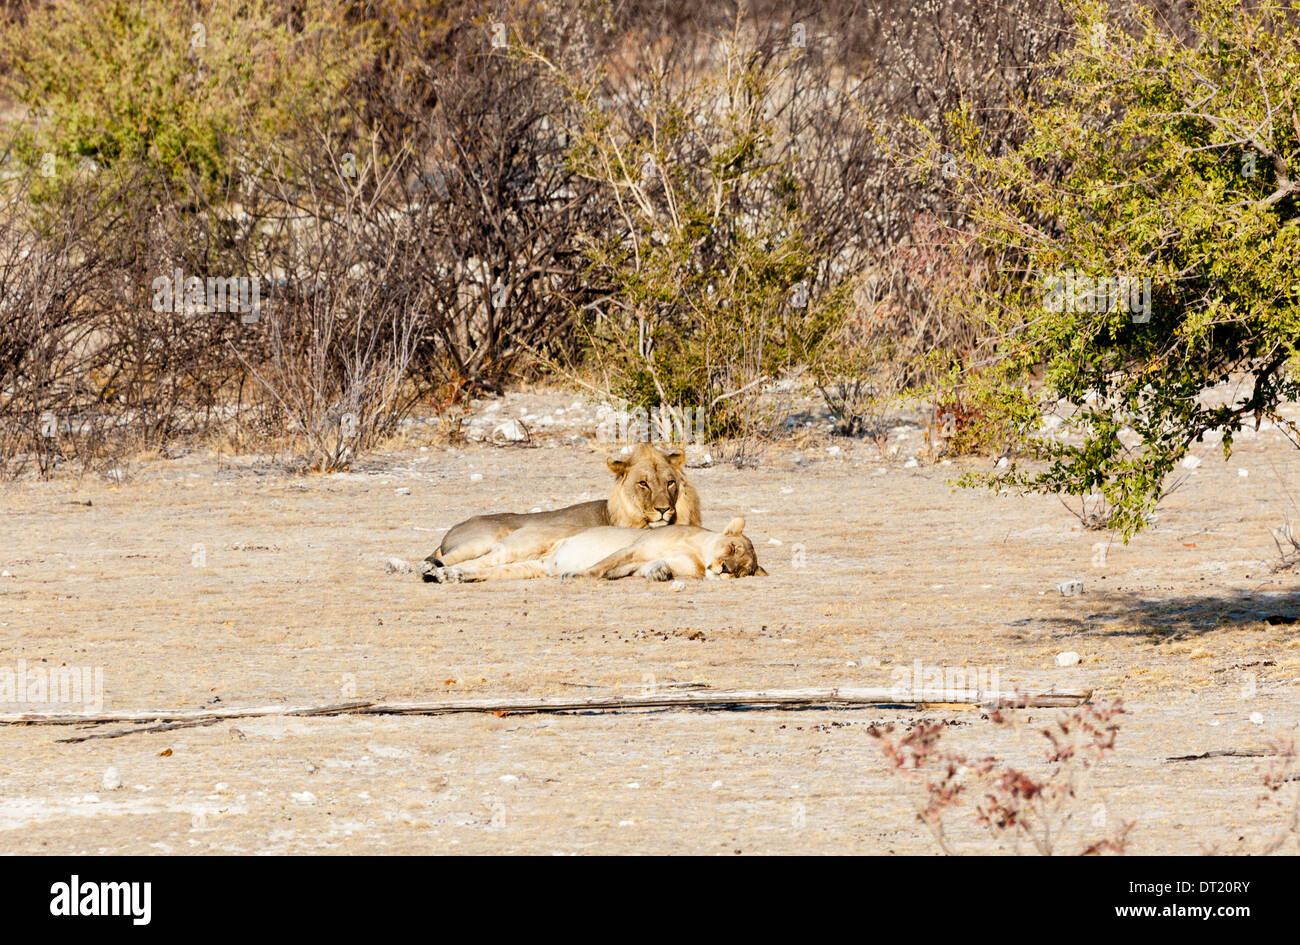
{"x": 650, "y": 490}
{"x": 732, "y": 555}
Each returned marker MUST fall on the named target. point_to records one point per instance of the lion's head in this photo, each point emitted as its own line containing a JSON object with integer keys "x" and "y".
{"x": 732, "y": 554}
{"x": 650, "y": 489}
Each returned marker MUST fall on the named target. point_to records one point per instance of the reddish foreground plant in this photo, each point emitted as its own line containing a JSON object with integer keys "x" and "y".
{"x": 1007, "y": 801}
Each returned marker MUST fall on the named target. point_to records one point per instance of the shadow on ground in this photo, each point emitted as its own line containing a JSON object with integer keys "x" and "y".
{"x": 1166, "y": 619}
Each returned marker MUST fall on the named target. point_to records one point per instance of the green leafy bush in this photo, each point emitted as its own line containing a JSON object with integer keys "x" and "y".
{"x": 1149, "y": 156}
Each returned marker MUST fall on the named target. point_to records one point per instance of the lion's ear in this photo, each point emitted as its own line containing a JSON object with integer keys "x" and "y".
{"x": 735, "y": 527}
{"x": 618, "y": 465}
{"x": 759, "y": 572}
{"x": 675, "y": 456}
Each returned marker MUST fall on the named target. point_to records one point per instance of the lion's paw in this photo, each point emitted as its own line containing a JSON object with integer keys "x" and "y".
{"x": 448, "y": 575}
{"x": 657, "y": 571}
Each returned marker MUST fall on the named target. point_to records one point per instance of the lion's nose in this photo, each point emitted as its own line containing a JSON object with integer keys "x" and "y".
{"x": 663, "y": 511}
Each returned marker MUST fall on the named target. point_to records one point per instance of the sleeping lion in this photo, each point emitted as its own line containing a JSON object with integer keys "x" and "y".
{"x": 650, "y": 491}
{"x": 673, "y": 551}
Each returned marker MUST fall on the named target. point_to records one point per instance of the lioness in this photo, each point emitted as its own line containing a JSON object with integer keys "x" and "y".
{"x": 650, "y": 491}
{"x": 663, "y": 554}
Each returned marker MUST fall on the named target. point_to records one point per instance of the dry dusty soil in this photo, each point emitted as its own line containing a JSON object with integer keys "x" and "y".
{"x": 228, "y": 582}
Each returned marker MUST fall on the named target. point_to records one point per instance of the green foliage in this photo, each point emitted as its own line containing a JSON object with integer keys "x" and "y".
{"x": 711, "y": 285}
{"x": 180, "y": 88}
{"x": 1146, "y": 156}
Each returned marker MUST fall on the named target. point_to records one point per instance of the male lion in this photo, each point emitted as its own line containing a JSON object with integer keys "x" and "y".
{"x": 673, "y": 551}
{"x": 650, "y": 491}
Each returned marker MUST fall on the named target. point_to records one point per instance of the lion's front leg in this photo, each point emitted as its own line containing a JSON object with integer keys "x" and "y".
{"x": 618, "y": 565}
{"x": 656, "y": 571}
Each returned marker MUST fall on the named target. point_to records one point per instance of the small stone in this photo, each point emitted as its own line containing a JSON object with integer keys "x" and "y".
{"x": 305, "y": 797}
{"x": 677, "y": 586}
{"x": 476, "y": 477}
{"x": 512, "y": 431}
{"x": 833, "y": 450}
{"x": 403, "y": 490}
{"x": 1069, "y": 658}
{"x": 1257, "y": 718}
{"x": 397, "y": 566}
{"x": 1243, "y": 473}
{"x": 1070, "y": 588}
{"x": 112, "y": 779}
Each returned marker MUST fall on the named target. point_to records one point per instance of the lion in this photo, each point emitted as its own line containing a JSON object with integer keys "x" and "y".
{"x": 650, "y": 491}
{"x": 673, "y": 551}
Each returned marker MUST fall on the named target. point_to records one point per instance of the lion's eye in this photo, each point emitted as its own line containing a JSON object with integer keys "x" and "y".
{"x": 644, "y": 484}
{"x": 672, "y": 483}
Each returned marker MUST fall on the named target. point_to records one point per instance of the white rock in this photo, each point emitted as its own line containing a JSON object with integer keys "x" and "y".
{"x": 774, "y": 541}
{"x": 833, "y": 450}
{"x": 678, "y": 585}
{"x": 305, "y": 797}
{"x": 403, "y": 490}
{"x": 476, "y": 477}
{"x": 1069, "y": 658}
{"x": 512, "y": 431}
{"x": 5, "y": 574}
{"x": 1002, "y": 463}
{"x": 787, "y": 490}
{"x": 910, "y": 464}
{"x": 112, "y": 780}
{"x": 397, "y": 566}
{"x": 1243, "y": 473}
{"x": 1070, "y": 588}
{"x": 1257, "y": 718}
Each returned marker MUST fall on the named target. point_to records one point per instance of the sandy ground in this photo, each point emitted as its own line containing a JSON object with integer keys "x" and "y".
{"x": 203, "y": 581}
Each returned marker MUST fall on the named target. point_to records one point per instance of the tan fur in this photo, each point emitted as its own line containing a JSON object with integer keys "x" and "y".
{"x": 684, "y": 551}
{"x": 650, "y": 490}
{"x": 674, "y": 551}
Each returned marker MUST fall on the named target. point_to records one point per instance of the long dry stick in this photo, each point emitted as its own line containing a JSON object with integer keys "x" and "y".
{"x": 165, "y": 719}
